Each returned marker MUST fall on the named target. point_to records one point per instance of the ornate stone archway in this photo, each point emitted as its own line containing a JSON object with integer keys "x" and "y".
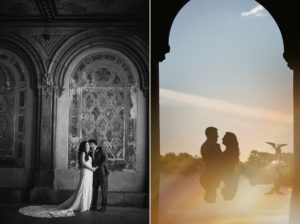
{"x": 103, "y": 95}
{"x": 103, "y": 107}
{"x": 17, "y": 114}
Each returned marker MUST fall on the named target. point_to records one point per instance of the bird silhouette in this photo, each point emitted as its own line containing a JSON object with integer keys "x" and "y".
{"x": 277, "y": 148}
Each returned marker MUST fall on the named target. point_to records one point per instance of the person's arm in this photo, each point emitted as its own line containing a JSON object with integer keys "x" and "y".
{"x": 103, "y": 156}
{"x": 204, "y": 154}
{"x": 85, "y": 164}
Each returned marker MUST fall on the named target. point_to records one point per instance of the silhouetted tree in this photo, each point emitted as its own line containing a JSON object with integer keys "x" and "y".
{"x": 181, "y": 164}
{"x": 259, "y": 170}
{"x": 256, "y": 168}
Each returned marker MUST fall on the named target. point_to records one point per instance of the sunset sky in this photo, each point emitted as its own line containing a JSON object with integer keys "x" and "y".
{"x": 225, "y": 69}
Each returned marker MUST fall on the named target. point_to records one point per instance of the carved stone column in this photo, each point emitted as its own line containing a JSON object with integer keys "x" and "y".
{"x": 44, "y": 174}
{"x": 292, "y": 56}
{"x": 161, "y": 26}
{"x": 295, "y": 200}
{"x": 155, "y": 143}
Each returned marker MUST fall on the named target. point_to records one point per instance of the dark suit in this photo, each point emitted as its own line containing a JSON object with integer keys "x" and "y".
{"x": 100, "y": 177}
{"x": 210, "y": 179}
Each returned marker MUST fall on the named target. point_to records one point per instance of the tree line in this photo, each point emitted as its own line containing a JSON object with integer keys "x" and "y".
{"x": 257, "y": 168}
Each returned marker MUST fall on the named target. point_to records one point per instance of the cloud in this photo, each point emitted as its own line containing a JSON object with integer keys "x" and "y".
{"x": 179, "y": 98}
{"x": 258, "y": 10}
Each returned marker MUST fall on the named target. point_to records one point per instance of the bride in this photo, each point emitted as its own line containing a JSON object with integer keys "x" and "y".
{"x": 80, "y": 200}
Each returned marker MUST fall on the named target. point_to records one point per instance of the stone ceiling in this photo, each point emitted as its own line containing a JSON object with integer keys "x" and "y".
{"x": 53, "y": 10}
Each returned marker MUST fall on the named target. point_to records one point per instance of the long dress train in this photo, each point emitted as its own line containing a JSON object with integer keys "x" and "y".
{"x": 80, "y": 200}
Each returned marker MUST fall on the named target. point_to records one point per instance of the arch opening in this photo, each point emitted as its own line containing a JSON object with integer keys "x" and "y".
{"x": 201, "y": 85}
{"x": 103, "y": 106}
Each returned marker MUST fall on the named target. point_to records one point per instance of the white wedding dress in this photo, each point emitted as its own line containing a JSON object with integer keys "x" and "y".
{"x": 80, "y": 200}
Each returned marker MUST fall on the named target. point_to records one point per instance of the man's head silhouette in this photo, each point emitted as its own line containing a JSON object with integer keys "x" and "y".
{"x": 211, "y": 134}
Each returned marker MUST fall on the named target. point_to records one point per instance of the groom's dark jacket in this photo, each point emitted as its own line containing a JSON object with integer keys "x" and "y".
{"x": 100, "y": 160}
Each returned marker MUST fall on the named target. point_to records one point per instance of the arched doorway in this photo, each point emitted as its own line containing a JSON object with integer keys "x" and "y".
{"x": 18, "y": 109}
{"x": 103, "y": 107}
{"x": 104, "y": 97}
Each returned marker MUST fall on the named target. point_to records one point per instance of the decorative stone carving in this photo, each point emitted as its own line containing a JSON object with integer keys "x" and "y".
{"x": 107, "y": 3}
{"x": 48, "y": 86}
{"x": 45, "y": 7}
{"x": 103, "y": 106}
{"x": 48, "y": 79}
{"x": 48, "y": 42}
{"x": 73, "y": 8}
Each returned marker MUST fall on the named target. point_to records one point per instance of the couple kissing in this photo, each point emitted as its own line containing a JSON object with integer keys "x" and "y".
{"x": 219, "y": 166}
{"x": 93, "y": 174}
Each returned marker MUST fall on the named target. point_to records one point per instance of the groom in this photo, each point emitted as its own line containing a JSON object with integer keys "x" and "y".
{"x": 211, "y": 155}
{"x": 100, "y": 176}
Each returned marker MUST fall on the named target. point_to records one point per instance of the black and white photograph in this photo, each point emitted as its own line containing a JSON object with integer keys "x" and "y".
{"x": 74, "y": 111}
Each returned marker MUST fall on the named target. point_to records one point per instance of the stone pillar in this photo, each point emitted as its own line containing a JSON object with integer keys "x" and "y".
{"x": 43, "y": 172}
{"x": 295, "y": 200}
{"x": 155, "y": 144}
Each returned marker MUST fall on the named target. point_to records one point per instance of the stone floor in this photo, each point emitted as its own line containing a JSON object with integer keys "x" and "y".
{"x": 114, "y": 215}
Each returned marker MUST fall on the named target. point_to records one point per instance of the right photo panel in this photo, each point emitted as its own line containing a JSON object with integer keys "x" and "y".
{"x": 225, "y": 112}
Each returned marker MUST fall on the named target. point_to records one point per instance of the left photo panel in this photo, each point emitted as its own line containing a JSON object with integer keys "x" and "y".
{"x": 74, "y": 111}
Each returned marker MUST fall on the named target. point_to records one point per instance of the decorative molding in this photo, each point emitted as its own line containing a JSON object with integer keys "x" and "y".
{"x": 132, "y": 46}
{"x": 46, "y": 9}
{"x": 23, "y": 8}
{"x": 70, "y": 10}
{"x": 73, "y": 8}
{"x": 48, "y": 85}
{"x": 107, "y": 3}
{"x": 48, "y": 42}
{"x": 47, "y": 79}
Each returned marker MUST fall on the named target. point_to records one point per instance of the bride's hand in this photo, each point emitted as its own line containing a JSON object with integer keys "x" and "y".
{"x": 95, "y": 168}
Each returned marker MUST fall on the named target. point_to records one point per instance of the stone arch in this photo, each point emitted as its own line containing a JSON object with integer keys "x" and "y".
{"x": 131, "y": 46}
{"x": 160, "y": 28}
{"x": 128, "y": 57}
{"x": 166, "y": 25}
{"x": 18, "y": 109}
{"x": 27, "y": 53}
{"x": 106, "y": 80}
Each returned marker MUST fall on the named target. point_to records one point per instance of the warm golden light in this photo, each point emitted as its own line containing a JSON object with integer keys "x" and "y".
{"x": 181, "y": 202}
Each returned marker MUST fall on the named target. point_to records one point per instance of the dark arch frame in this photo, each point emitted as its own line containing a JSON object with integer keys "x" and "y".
{"x": 285, "y": 14}
{"x": 23, "y": 49}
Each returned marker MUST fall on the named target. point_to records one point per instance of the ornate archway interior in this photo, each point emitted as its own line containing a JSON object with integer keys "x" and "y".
{"x": 13, "y": 88}
{"x": 103, "y": 106}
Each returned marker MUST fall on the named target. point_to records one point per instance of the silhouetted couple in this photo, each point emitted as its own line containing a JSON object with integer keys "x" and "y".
{"x": 219, "y": 165}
